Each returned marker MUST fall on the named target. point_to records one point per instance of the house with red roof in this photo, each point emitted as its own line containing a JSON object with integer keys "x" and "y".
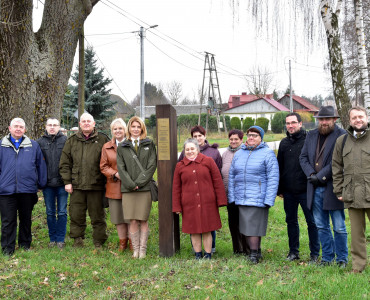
{"x": 254, "y": 107}
{"x": 299, "y": 104}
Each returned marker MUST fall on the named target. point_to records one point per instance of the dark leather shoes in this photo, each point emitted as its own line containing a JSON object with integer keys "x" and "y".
{"x": 292, "y": 256}
{"x": 342, "y": 264}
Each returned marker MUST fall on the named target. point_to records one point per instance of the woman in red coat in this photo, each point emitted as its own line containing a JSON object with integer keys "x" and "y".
{"x": 197, "y": 193}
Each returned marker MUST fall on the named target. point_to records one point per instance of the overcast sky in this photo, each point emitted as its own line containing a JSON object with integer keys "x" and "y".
{"x": 174, "y": 51}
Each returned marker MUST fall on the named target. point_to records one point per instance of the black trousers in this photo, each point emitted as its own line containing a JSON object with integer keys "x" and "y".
{"x": 11, "y": 205}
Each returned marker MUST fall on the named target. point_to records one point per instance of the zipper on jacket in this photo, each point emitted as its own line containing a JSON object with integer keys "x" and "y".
{"x": 245, "y": 173}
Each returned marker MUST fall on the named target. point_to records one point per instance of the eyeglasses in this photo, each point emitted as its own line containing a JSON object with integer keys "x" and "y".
{"x": 52, "y": 125}
{"x": 253, "y": 135}
{"x": 291, "y": 123}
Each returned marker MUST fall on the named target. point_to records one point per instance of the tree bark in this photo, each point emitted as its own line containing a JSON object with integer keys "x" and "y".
{"x": 330, "y": 20}
{"x": 35, "y": 67}
{"x": 361, "y": 49}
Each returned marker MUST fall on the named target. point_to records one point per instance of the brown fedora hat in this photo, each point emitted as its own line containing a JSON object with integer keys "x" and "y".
{"x": 326, "y": 112}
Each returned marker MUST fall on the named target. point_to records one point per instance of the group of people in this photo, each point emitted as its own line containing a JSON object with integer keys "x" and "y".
{"x": 324, "y": 171}
{"x": 87, "y": 166}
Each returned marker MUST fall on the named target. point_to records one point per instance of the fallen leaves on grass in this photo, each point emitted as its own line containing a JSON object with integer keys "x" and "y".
{"x": 260, "y": 282}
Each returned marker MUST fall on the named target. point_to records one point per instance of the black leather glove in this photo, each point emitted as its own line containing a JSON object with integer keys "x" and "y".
{"x": 314, "y": 180}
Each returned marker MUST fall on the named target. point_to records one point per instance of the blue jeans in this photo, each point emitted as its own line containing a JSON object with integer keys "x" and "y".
{"x": 291, "y": 203}
{"x": 330, "y": 246}
{"x": 56, "y": 216}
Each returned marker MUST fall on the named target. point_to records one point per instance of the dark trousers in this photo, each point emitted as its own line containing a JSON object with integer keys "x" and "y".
{"x": 10, "y": 206}
{"x": 240, "y": 244}
{"x": 91, "y": 201}
{"x": 291, "y": 202}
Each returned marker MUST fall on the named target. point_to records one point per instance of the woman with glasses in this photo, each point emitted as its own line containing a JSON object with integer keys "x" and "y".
{"x": 253, "y": 183}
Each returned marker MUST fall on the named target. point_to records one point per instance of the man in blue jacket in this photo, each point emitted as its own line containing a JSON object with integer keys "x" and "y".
{"x": 22, "y": 172}
{"x": 316, "y": 163}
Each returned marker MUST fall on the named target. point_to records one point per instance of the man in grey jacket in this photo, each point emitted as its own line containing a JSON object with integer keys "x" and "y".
{"x": 51, "y": 144}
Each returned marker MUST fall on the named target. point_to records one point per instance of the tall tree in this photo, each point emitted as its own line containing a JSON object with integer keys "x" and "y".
{"x": 174, "y": 92}
{"x": 361, "y": 51}
{"x": 304, "y": 10}
{"x": 259, "y": 80}
{"x": 35, "y": 67}
{"x": 97, "y": 94}
{"x": 153, "y": 96}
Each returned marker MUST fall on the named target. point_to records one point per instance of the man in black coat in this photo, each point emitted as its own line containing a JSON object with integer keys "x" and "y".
{"x": 293, "y": 188}
{"x": 55, "y": 196}
{"x": 316, "y": 162}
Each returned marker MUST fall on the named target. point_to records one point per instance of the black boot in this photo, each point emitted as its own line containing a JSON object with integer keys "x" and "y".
{"x": 253, "y": 257}
{"x": 198, "y": 255}
{"x": 260, "y": 254}
{"x": 207, "y": 255}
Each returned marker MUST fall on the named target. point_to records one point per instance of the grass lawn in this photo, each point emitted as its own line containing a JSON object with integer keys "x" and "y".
{"x": 43, "y": 273}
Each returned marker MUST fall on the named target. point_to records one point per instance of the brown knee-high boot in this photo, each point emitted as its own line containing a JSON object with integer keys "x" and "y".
{"x": 143, "y": 243}
{"x": 122, "y": 244}
{"x": 135, "y": 239}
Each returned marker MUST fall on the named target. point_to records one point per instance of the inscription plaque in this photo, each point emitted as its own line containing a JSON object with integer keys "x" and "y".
{"x": 163, "y": 138}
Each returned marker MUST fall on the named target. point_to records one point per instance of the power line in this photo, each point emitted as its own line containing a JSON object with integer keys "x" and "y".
{"x": 170, "y": 56}
{"x": 105, "y": 68}
{"x": 113, "y": 33}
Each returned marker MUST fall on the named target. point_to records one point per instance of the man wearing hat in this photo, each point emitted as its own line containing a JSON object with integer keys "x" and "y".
{"x": 315, "y": 160}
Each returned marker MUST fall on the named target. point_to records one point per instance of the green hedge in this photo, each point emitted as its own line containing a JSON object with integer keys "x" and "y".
{"x": 235, "y": 123}
{"x": 247, "y": 122}
{"x": 278, "y": 122}
{"x": 263, "y": 122}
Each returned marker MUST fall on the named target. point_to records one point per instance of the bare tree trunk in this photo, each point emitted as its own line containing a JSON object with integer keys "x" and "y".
{"x": 361, "y": 49}
{"x": 35, "y": 67}
{"x": 330, "y": 20}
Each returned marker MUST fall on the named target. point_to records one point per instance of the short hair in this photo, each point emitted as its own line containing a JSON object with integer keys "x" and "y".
{"x": 197, "y": 128}
{"x": 17, "y": 120}
{"x": 49, "y": 119}
{"x": 299, "y": 119}
{"x": 238, "y": 132}
{"x": 120, "y": 121}
{"x": 361, "y": 108}
{"x": 86, "y": 115}
{"x": 142, "y": 125}
{"x": 193, "y": 141}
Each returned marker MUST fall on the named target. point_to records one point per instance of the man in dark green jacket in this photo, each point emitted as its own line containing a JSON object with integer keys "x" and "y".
{"x": 80, "y": 170}
{"x": 351, "y": 181}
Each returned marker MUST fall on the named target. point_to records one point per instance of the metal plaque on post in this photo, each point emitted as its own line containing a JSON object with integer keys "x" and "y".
{"x": 163, "y": 130}
{"x": 169, "y": 228}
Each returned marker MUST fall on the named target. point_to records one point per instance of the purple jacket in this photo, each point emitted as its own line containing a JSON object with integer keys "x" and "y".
{"x": 210, "y": 151}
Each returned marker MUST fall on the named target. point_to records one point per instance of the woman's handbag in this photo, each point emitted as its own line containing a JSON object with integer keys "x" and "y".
{"x": 152, "y": 184}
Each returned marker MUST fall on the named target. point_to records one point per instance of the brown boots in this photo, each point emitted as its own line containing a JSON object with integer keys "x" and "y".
{"x": 123, "y": 244}
{"x": 139, "y": 243}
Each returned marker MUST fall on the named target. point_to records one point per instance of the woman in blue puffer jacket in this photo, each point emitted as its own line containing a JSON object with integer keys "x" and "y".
{"x": 253, "y": 184}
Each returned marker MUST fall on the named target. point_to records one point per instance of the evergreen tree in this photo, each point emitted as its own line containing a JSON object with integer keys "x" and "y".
{"x": 97, "y": 94}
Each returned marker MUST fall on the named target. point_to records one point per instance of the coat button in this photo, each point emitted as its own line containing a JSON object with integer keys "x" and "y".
{"x": 195, "y": 182}
{"x": 198, "y": 205}
{"x": 197, "y": 194}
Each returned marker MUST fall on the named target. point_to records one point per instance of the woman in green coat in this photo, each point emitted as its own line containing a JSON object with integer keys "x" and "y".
{"x": 135, "y": 186}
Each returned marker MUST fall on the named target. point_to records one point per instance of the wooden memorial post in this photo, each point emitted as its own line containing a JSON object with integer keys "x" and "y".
{"x": 169, "y": 230}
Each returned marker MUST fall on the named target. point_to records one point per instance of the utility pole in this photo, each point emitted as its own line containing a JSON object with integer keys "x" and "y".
{"x": 290, "y": 86}
{"x": 210, "y": 65}
{"x": 142, "y": 87}
{"x": 81, "y": 73}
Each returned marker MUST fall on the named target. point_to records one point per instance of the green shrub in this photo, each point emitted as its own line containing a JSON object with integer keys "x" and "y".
{"x": 263, "y": 122}
{"x": 278, "y": 122}
{"x": 235, "y": 123}
{"x": 247, "y": 122}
